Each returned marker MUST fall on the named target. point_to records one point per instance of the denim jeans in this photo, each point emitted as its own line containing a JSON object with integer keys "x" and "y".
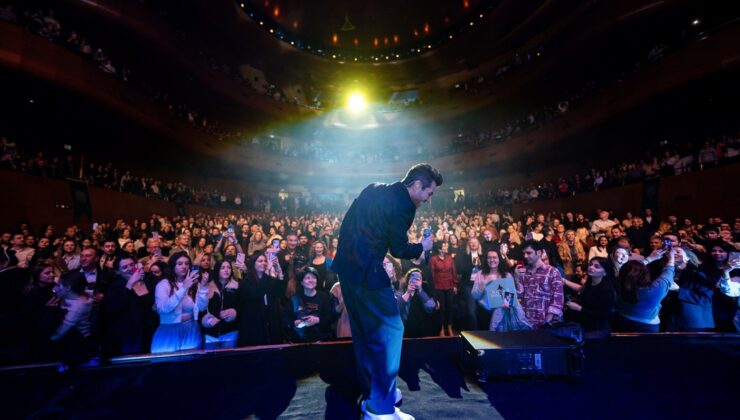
{"x": 377, "y": 335}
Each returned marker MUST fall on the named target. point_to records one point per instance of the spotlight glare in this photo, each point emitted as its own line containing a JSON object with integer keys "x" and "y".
{"x": 356, "y": 102}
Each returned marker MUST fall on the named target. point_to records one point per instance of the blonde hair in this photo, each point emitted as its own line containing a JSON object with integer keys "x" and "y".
{"x": 582, "y": 234}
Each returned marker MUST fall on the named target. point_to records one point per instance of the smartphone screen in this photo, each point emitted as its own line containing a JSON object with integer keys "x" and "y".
{"x": 240, "y": 258}
{"x": 155, "y": 235}
{"x": 195, "y": 269}
{"x": 276, "y": 243}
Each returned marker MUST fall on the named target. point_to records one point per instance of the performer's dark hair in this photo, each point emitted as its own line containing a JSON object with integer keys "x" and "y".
{"x": 423, "y": 172}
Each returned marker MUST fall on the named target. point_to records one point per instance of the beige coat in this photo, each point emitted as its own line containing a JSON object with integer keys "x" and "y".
{"x": 568, "y": 259}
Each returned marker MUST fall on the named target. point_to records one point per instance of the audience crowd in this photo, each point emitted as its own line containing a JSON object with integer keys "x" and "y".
{"x": 263, "y": 273}
{"x": 659, "y": 162}
{"x": 47, "y": 24}
{"x": 164, "y": 284}
{"x": 106, "y": 175}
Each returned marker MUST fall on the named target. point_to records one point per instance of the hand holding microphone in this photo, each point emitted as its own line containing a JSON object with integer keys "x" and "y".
{"x": 427, "y": 243}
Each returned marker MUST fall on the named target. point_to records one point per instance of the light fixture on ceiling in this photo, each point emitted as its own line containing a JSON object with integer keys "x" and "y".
{"x": 347, "y": 26}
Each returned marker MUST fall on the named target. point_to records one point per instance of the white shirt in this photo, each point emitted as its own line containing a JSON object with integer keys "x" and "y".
{"x": 24, "y": 256}
{"x": 73, "y": 262}
{"x": 171, "y": 307}
{"x": 78, "y": 315}
{"x": 602, "y": 225}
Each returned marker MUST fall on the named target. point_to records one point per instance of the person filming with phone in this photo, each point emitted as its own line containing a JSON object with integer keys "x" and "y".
{"x": 416, "y": 305}
{"x": 260, "y": 317}
{"x": 721, "y": 270}
{"x": 218, "y": 323}
{"x": 127, "y": 310}
{"x": 179, "y": 298}
{"x": 639, "y": 296}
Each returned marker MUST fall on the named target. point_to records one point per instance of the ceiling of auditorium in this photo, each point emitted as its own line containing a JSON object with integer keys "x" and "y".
{"x": 481, "y": 31}
{"x": 356, "y": 31}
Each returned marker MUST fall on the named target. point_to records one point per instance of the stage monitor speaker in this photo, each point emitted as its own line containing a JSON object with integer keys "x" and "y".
{"x": 536, "y": 353}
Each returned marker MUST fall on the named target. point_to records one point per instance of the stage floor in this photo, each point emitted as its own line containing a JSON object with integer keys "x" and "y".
{"x": 663, "y": 376}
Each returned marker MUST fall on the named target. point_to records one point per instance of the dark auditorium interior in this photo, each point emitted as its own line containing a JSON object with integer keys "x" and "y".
{"x": 177, "y": 174}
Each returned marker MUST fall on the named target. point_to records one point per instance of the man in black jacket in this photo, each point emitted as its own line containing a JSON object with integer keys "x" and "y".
{"x": 639, "y": 235}
{"x": 377, "y": 222}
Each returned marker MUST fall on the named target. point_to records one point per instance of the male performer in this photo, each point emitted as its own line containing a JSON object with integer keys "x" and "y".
{"x": 377, "y": 222}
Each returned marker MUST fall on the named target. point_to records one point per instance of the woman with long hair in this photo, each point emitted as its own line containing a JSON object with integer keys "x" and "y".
{"x": 599, "y": 250}
{"x": 515, "y": 234}
{"x": 199, "y": 249}
{"x": 179, "y": 298}
{"x": 416, "y": 305}
{"x": 559, "y": 233}
{"x": 495, "y": 290}
{"x": 44, "y": 251}
{"x": 445, "y": 281}
{"x": 129, "y": 249}
{"x": 639, "y": 296}
{"x": 157, "y": 271}
{"x": 343, "y": 329}
{"x": 594, "y": 303}
{"x": 571, "y": 253}
{"x": 125, "y": 237}
{"x": 260, "y": 317}
{"x": 256, "y": 243}
{"x": 331, "y": 250}
{"x": 42, "y": 289}
{"x": 584, "y": 237}
{"x": 454, "y": 245}
{"x": 129, "y": 319}
{"x": 218, "y": 323}
{"x": 322, "y": 264}
{"x": 699, "y": 305}
{"x": 392, "y": 266}
{"x": 38, "y": 298}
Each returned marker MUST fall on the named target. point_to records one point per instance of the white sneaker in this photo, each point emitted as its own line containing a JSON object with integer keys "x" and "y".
{"x": 400, "y": 415}
{"x": 397, "y": 414}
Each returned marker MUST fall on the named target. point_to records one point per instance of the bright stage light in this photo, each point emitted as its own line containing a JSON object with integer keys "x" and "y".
{"x": 356, "y": 102}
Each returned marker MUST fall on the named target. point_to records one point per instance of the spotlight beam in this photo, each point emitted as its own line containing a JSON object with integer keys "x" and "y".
{"x": 356, "y": 103}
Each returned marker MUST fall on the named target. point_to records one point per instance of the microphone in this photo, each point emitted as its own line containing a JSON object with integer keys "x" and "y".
{"x": 427, "y": 254}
